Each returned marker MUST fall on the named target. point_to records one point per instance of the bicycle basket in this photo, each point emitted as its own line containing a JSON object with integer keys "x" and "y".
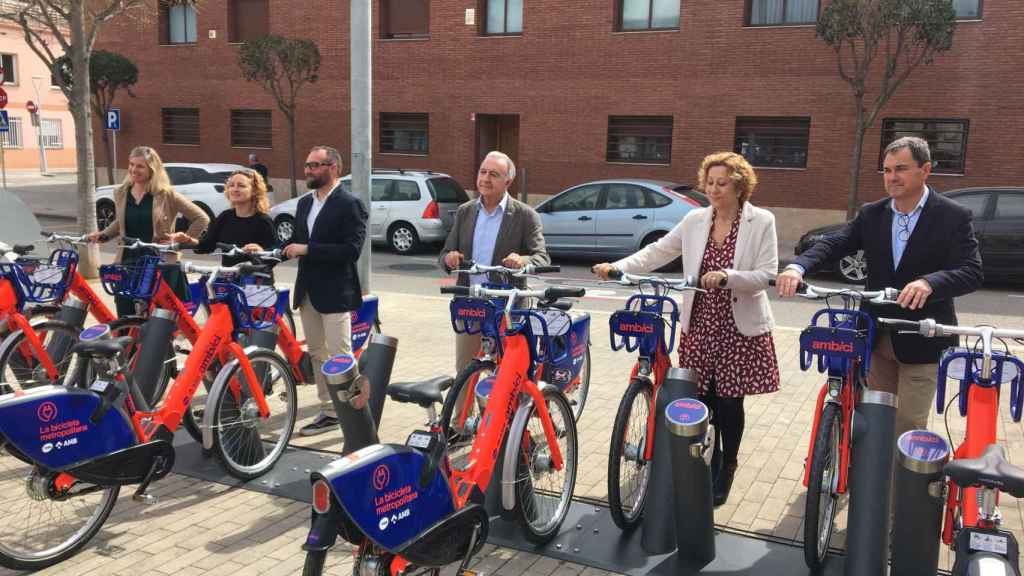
{"x": 42, "y": 282}
{"x": 534, "y": 325}
{"x": 633, "y": 329}
{"x": 139, "y": 279}
{"x": 965, "y": 365}
{"x": 474, "y": 316}
{"x": 834, "y": 347}
{"x": 255, "y": 306}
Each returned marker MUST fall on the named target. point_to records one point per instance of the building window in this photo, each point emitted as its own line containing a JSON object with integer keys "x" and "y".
{"x": 648, "y": 14}
{"x": 9, "y": 63}
{"x": 773, "y": 142}
{"x": 404, "y": 133}
{"x": 640, "y": 139}
{"x": 53, "y": 134}
{"x": 947, "y": 140}
{"x": 248, "y": 20}
{"x": 404, "y": 18}
{"x": 251, "y": 129}
{"x": 503, "y": 17}
{"x": 781, "y": 12}
{"x": 177, "y": 24}
{"x": 12, "y": 138}
{"x": 967, "y": 9}
{"x": 180, "y": 125}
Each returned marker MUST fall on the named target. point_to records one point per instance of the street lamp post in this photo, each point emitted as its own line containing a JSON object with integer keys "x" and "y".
{"x": 39, "y": 128}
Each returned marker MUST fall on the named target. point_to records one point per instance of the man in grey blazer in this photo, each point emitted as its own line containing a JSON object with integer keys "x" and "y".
{"x": 494, "y": 229}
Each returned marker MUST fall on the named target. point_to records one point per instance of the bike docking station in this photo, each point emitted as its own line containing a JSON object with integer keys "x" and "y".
{"x": 348, "y": 382}
{"x": 921, "y": 456}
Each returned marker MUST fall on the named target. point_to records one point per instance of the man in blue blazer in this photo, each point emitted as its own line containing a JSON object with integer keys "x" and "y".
{"x": 921, "y": 243}
{"x": 330, "y": 228}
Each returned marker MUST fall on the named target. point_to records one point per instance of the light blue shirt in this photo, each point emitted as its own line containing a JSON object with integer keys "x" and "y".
{"x": 898, "y": 245}
{"x": 485, "y": 236}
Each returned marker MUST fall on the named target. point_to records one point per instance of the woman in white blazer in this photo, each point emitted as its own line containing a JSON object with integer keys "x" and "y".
{"x": 726, "y": 332}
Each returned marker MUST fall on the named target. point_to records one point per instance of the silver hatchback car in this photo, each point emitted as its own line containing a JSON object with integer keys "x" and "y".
{"x": 409, "y": 208}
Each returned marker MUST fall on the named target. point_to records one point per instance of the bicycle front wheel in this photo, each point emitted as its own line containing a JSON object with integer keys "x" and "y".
{"x": 544, "y": 493}
{"x": 247, "y": 444}
{"x": 42, "y": 521}
{"x": 460, "y": 416}
{"x": 578, "y": 396}
{"x": 21, "y": 364}
{"x": 822, "y": 496}
{"x": 628, "y": 472}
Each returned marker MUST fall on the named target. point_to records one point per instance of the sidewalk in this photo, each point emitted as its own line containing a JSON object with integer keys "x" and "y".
{"x": 203, "y": 528}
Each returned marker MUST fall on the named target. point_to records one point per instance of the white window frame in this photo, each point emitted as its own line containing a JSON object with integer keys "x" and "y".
{"x": 52, "y": 141}
{"x": 12, "y": 139}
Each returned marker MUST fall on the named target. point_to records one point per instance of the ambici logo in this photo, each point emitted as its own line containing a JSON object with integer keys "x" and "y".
{"x": 473, "y": 312}
{"x": 832, "y": 346}
{"x": 636, "y": 328}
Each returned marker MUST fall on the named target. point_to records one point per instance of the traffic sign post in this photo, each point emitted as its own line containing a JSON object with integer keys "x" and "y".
{"x": 114, "y": 125}
{"x": 5, "y": 126}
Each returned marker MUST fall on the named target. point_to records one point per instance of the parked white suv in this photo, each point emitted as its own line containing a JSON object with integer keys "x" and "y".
{"x": 200, "y": 183}
{"x": 410, "y": 207}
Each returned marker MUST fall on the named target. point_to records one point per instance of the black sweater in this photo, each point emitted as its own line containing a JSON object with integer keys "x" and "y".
{"x": 229, "y": 228}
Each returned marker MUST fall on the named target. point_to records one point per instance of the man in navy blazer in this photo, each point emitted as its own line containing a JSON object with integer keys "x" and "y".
{"x": 330, "y": 228}
{"x": 921, "y": 243}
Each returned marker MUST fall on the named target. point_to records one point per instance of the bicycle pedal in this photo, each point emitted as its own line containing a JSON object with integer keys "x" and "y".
{"x": 143, "y": 498}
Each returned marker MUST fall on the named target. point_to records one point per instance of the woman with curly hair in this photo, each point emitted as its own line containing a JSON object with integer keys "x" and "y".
{"x": 726, "y": 332}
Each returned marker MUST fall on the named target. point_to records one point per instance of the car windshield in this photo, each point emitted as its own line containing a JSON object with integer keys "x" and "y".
{"x": 447, "y": 191}
{"x": 685, "y": 192}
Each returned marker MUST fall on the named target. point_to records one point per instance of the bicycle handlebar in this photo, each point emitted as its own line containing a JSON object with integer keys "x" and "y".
{"x": 135, "y": 244}
{"x": 680, "y": 284}
{"x": 242, "y": 269}
{"x": 550, "y": 293}
{"x": 231, "y": 250}
{"x": 54, "y": 237}
{"x": 470, "y": 267}
{"x": 929, "y": 328}
{"x": 812, "y": 292}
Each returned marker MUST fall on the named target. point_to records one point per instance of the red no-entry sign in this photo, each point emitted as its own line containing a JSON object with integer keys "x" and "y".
{"x": 3, "y": 98}
{"x": 31, "y": 107}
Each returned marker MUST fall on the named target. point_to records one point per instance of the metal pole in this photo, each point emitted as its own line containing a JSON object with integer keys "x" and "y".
{"x": 39, "y": 129}
{"x": 360, "y": 81}
{"x": 114, "y": 160}
{"x": 3, "y": 160}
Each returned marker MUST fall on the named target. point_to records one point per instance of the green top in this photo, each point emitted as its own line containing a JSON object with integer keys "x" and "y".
{"x": 138, "y": 218}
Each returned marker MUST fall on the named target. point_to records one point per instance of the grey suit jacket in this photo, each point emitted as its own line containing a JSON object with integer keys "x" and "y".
{"x": 520, "y": 232}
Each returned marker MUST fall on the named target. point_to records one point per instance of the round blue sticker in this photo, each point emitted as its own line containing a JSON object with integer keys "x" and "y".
{"x": 94, "y": 332}
{"x": 338, "y": 364}
{"x": 484, "y": 387}
{"x": 923, "y": 446}
{"x": 686, "y": 411}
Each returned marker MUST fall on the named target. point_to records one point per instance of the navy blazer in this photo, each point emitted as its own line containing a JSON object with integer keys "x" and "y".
{"x": 328, "y": 273}
{"x": 942, "y": 250}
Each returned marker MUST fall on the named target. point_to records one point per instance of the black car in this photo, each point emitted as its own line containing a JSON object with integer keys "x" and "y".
{"x": 998, "y": 224}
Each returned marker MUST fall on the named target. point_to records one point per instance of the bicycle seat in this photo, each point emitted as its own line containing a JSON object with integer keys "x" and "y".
{"x": 102, "y": 348}
{"x": 23, "y": 249}
{"x": 422, "y": 392}
{"x": 991, "y": 470}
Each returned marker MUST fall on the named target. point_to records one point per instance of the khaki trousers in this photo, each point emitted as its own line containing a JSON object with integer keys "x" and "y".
{"x": 913, "y": 384}
{"x": 326, "y": 336}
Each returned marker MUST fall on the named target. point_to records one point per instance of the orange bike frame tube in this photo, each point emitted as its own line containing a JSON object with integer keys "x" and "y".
{"x": 497, "y": 417}
{"x": 8, "y": 298}
{"x": 661, "y": 365}
{"x": 291, "y": 347}
{"x": 213, "y": 338}
{"x": 81, "y": 289}
{"x": 819, "y": 405}
{"x": 847, "y": 402}
{"x": 982, "y": 413}
{"x": 16, "y": 321}
{"x": 250, "y": 375}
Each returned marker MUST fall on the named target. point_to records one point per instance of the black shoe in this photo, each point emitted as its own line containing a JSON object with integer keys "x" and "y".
{"x": 723, "y": 484}
{"x": 319, "y": 425}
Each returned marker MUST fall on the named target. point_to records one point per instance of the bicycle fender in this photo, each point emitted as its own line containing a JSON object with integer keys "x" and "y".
{"x": 218, "y": 383}
{"x": 508, "y": 466}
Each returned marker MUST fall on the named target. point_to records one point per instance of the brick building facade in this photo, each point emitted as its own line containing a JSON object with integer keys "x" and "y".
{"x": 580, "y": 90}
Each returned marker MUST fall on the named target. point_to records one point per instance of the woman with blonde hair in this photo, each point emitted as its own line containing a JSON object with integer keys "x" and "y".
{"x": 246, "y": 225}
{"x": 147, "y": 208}
{"x": 726, "y": 332}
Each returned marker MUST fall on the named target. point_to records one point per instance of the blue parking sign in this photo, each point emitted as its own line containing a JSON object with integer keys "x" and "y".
{"x": 4, "y": 122}
{"x": 113, "y": 121}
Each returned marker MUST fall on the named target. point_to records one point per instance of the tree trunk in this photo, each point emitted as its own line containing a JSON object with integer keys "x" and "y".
{"x": 291, "y": 154}
{"x": 110, "y": 159}
{"x": 81, "y": 113}
{"x": 852, "y": 202}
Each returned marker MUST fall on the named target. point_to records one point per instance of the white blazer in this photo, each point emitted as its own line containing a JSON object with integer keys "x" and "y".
{"x": 756, "y": 262}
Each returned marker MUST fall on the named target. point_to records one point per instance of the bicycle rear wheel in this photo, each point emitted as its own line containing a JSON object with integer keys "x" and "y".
{"x": 245, "y": 443}
{"x": 41, "y": 524}
{"x": 578, "y": 396}
{"x": 460, "y": 416}
{"x": 21, "y": 365}
{"x": 822, "y": 496}
{"x": 628, "y": 472}
{"x": 543, "y": 493}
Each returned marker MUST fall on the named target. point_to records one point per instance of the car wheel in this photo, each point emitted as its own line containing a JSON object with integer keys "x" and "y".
{"x": 105, "y": 214}
{"x": 673, "y": 266}
{"x": 284, "y": 228}
{"x": 854, "y": 269}
{"x": 403, "y": 238}
{"x": 182, "y": 224}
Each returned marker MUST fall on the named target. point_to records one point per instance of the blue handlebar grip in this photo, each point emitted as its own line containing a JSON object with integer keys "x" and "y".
{"x": 940, "y": 386}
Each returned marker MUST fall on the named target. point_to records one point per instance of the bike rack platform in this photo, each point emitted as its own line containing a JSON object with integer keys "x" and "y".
{"x": 587, "y": 537}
